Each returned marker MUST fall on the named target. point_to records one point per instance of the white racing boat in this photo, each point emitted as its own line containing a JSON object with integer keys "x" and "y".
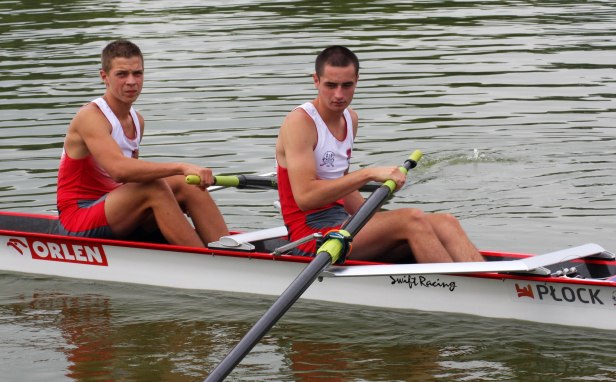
{"x": 574, "y": 286}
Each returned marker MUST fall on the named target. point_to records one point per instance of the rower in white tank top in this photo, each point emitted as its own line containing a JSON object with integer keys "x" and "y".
{"x": 331, "y": 155}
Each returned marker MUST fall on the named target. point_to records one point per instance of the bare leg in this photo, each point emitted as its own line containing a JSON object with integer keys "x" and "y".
{"x": 202, "y": 209}
{"x": 453, "y": 237}
{"x": 432, "y": 238}
{"x": 129, "y": 205}
{"x": 390, "y": 229}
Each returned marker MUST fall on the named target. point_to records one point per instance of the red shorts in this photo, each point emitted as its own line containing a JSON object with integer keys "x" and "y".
{"x": 85, "y": 218}
{"x": 321, "y": 221}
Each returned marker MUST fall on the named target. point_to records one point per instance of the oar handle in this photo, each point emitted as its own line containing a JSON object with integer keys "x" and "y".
{"x": 335, "y": 246}
{"x": 219, "y": 180}
{"x": 239, "y": 181}
{"x": 326, "y": 256}
{"x": 410, "y": 163}
{"x": 193, "y": 179}
{"x": 258, "y": 182}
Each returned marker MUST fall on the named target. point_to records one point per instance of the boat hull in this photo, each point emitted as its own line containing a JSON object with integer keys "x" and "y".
{"x": 553, "y": 300}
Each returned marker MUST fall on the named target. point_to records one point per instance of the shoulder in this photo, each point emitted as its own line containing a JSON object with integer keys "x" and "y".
{"x": 297, "y": 122}
{"x": 90, "y": 115}
{"x": 353, "y": 115}
{"x": 88, "y": 126}
{"x": 298, "y": 115}
{"x": 141, "y": 121}
{"x": 297, "y": 132}
{"x": 354, "y": 119}
{"x": 88, "y": 110}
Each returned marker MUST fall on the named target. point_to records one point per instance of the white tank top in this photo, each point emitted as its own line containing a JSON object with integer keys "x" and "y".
{"x": 331, "y": 155}
{"x": 130, "y": 147}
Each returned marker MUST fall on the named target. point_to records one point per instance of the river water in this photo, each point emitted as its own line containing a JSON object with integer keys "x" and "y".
{"x": 512, "y": 103}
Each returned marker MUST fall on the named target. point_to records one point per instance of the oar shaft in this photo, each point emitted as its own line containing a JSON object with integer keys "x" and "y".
{"x": 271, "y": 316}
{"x": 365, "y": 212}
{"x": 328, "y": 253}
{"x": 377, "y": 198}
{"x": 259, "y": 182}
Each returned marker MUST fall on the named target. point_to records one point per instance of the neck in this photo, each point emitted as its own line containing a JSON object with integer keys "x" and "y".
{"x": 334, "y": 120}
{"x": 330, "y": 117}
{"x": 119, "y": 108}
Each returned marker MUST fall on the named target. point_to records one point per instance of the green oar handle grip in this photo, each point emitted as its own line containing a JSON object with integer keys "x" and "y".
{"x": 413, "y": 159}
{"x": 350, "y": 228}
{"x": 219, "y": 180}
{"x": 193, "y": 179}
{"x": 330, "y": 252}
{"x": 410, "y": 163}
{"x": 227, "y": 180}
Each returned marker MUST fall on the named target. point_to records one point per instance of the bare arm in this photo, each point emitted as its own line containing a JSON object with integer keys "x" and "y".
{"x": 294, "y": 150}
{"x": 90, "y": 133}
{"x": 353, "y": 201}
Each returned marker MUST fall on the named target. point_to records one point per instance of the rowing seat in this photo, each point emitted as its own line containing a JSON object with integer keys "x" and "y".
{"x": 249, "y": 241}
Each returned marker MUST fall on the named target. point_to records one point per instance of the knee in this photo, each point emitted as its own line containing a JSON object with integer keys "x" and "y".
{"x": 451, "y": 220}
{"x": 447, "y": 222}
{"x": 157, "y": 188}
{"x": 414, "y": 215}
{"x": 415, "y": 218}
{"x": 418, "y": 218}
{"x": 186, "y": 192}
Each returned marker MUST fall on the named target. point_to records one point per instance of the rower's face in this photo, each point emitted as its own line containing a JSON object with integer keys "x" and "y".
{"x": 336, "y": 86}
{"x": 125, "y": 78}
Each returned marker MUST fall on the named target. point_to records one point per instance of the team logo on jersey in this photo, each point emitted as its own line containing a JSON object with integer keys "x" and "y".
{"x": 328, "y": 159}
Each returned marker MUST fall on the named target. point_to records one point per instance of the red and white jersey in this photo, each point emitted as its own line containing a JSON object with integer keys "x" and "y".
{"x": 332, "y": 158}
{"x": 129, "y": 146}
{"x": 84, "y": 179}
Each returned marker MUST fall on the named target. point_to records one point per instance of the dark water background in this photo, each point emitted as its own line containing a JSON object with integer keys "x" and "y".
{"x": 512, "y": 103}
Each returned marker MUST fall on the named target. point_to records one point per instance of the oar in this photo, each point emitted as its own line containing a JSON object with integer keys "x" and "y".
{"x": 333, "y": 250}
{"x": 256, "y": 182}
{"x": 262, "y": 182}
{"x": 532, "y": 264}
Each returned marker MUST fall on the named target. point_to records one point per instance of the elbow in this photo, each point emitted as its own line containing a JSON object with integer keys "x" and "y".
{"x": 118, "y": 175}
{"x": 120, "y": 179}
{"x": 305, "y": 204}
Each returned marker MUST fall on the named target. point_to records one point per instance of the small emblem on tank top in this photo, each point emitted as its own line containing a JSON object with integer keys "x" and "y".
{"x": 328, "y": 159}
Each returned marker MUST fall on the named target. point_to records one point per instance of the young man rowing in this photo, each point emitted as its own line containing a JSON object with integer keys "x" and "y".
{"x": 104, "y": 190}
{"x": 317, "y": 191}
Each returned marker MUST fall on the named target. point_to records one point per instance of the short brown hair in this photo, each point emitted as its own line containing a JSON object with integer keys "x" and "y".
{"x": 336, "y": 55}
{"x": 119, "y": 48}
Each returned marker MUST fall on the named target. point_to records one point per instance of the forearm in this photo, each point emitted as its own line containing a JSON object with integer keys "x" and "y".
{"x": 317, "y": 193}
{"x": 353, "y": 201}
{"x": 137, "y": 171}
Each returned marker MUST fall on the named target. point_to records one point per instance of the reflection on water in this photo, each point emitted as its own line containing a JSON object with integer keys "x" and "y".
{"x": 145, "y": 333}
{"x": 511, "y": 101}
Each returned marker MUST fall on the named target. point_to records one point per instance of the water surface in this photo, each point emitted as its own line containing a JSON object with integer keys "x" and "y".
{"x": 512, "y": 103}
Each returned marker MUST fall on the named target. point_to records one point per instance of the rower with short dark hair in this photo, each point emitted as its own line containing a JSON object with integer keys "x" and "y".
{"x": 318, "y": 193}
{"x": 105, "y": 190}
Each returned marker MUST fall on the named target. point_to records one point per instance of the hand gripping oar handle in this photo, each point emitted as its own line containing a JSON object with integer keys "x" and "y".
{"x": 239, "y": 181}
{"x": 377, "y": 198}
{"x": 327, "y": 254}
{"x": 259, "y": 182}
